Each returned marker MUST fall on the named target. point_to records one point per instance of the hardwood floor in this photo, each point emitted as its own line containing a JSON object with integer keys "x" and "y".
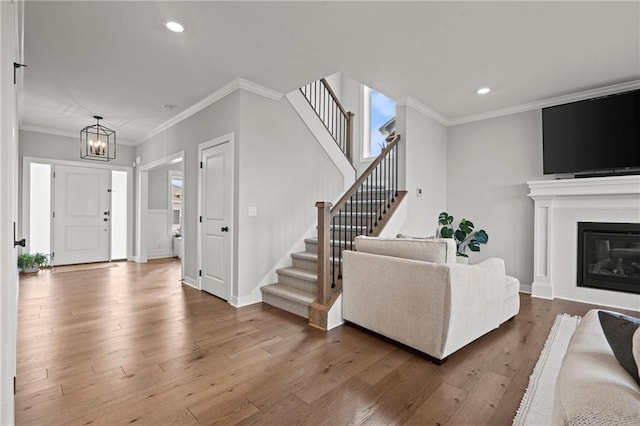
{"x": 131, "y": 344}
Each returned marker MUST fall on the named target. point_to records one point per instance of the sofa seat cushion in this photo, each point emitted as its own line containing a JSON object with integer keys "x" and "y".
{"x": 592, "y": 387}
{"x": 434, "y": 250}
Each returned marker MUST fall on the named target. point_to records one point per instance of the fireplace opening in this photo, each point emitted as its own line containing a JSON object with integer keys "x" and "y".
{"x": 609, "y": 256}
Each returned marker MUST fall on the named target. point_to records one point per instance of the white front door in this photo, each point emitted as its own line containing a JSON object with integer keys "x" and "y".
{"x": 81, "y": 216}
{"x": 215, "y": 209}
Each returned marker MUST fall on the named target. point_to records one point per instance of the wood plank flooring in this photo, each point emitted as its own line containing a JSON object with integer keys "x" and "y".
{"x": 131, "y": 344}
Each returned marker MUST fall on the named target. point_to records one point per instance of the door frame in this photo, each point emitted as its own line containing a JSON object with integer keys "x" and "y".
{"x": 227, "y": 138}
{"x": 142, "y": 204}
{"x": 26, "y": 186}
{"x": 11, "y": 27}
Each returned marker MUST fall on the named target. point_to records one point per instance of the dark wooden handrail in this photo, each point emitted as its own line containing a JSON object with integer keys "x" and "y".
{"x": 392, "y": 141}
{"x": 334, "y": 97}
{"x": 336, "y": 119}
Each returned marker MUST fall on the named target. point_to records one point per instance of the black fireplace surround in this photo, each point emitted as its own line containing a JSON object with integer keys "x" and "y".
{"x": 609, "y": 256}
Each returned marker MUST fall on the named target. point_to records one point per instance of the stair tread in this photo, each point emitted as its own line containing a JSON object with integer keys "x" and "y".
{"x": 305, "y": 255}
{"x": 289, "y": 293}
{"x": 298, "y": 273}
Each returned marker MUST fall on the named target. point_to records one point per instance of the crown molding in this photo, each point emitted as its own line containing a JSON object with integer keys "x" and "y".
{"x": 58, "y": 132}
{"x": 558, "y": 100}
{"x": 227, "y": 89}
{"x": 425, "y": 110}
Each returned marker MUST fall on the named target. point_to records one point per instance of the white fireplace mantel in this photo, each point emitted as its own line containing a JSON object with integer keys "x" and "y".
{"x": 559, "y": 206}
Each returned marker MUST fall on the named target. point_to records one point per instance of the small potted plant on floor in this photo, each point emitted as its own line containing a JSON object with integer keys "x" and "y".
{"x": 30, "y": 263}
{"x": 464, "y": 235}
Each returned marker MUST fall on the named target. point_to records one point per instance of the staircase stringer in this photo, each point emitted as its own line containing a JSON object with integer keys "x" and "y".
{"x": 322, "y": 135}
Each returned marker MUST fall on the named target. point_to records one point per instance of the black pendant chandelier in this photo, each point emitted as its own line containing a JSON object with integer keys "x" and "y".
{"x": 97, "y": 142}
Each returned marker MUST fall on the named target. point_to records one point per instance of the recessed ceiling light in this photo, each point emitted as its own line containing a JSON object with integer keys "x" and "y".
{"x": 174, "y": 26}
{"x": 483, "y": 91}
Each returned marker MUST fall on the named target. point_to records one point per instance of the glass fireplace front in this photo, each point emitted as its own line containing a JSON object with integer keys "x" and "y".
{"x": 609, "y": 256}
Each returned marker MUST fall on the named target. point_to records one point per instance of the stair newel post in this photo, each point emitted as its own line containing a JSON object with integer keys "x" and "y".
{"x": 350, "y": 136}
{"x": 324, "y": 255}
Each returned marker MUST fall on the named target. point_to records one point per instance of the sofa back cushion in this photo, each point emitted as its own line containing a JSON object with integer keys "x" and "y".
{"x": 434, "y": 250}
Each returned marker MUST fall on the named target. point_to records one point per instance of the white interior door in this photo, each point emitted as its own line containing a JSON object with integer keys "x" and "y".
{"x": 81, "y": 216}
{"x": 215, "y": 206}
{"x": 10, "y": 53}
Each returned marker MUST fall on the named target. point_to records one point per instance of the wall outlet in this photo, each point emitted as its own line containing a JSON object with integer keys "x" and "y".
{"x": 253, "y": 211}
{"x": 419, "y": 192}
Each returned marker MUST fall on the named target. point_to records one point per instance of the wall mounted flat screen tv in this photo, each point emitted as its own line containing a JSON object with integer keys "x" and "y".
{"x": 595, "y": 135}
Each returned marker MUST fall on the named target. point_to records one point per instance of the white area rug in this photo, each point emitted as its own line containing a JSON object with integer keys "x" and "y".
{"x": 537, "y": 402}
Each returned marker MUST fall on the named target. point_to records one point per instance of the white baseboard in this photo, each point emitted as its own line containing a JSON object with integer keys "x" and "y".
{"x": 525, "y": 288}
{"x": 159, "y": 254}
{"x": 252, "y": 299}
{"x": 334, "y": 318}
{"x": 191, "y": 282}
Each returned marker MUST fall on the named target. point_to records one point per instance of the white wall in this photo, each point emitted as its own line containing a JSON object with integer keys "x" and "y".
{"x": 351, "y": 98}
{"x": 424, "y": 142}
{"x": 215, "y": 120}
{"x": 159, "y": 186}
{"x": 488, "y": 165}
{"x": 283, "y": 171}
{"x": 279, "y": 168}
{"x": 158, "y": 192}
{"x": 159, "y": 242}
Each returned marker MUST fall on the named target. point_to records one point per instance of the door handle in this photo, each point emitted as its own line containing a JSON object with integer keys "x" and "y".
{"x": 225, "y": 229}
{"x": 22, "y": 242}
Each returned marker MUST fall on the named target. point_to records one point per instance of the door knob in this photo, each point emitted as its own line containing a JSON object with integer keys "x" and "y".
{"x": 22, "y": 242}
{"x": 225, "y": 229}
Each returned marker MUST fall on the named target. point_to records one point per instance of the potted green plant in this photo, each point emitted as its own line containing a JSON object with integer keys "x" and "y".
{"x": 465, "y": 236}
{"x": 30, "y": 263}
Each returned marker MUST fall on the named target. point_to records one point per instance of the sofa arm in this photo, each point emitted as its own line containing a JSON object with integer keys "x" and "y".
{"x": 399, "y": 298}
{"x": 475, "y": 302}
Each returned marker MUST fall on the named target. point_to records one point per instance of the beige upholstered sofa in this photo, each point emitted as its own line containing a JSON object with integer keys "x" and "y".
{"x": 592, "y": 388}
{"x": 414, "y": 292}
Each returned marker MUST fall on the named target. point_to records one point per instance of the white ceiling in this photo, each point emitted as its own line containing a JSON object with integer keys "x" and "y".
{"x": 117, "y": 60}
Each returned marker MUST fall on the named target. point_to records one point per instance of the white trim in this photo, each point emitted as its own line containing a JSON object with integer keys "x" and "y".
{"x": 323, "y": 137}
{"x": 425, "y": 110}
{"x": 26, "y": 184}
{"x": 171, "y": 175}
{"x": 65, "y": 133}
{"x": 53, "y": 161}
{"x": 9, "y": 110}
{"x": 227, "y": 138}
{"x": 193, "y": 283}
{"x": 365, "y": 143}
{"x": 558, "y": 100}
{"x": 543, "y": 103}
{"x": 227, "y": 89}
{"x": 142, "y": 203}
{"x": 252, "y": 299}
